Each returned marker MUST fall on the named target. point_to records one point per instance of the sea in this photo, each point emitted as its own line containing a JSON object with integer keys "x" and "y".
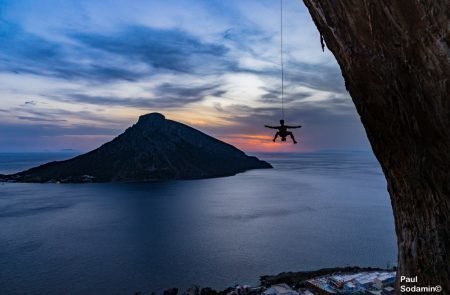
{"x": 312, "y": 210}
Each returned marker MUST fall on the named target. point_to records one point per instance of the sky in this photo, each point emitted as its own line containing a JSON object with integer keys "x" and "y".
{"x": 76, "y": 73}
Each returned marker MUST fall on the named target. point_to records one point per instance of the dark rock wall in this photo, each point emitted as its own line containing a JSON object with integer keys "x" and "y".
{"x": 394, "y": 58}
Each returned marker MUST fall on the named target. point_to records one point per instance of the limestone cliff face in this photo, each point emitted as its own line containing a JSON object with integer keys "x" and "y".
{"x": 394, "y": 58}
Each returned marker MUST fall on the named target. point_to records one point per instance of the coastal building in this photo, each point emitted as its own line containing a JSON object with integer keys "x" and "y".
{"x": 385, "y": 279}
{"x": 280, "y": 289}
{"x": 366, "y": 280}
{"x": 373, "y": 283}
{"x": 305, "y": 292}
{"x": 320, "y": 286}
{"x": 388, "y": 291}
{"x": 339, "y": 281}
{"x": 350, "y": 287}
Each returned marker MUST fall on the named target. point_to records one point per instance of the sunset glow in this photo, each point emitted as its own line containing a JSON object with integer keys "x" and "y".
{"x": 74, "y": 80}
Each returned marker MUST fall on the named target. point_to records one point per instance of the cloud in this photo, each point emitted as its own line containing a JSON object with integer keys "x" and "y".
{"x": 132, "y": 53}
{"x": 52, "y": 136}
{"x": 25, "y": 130}
{"x": 245, "y": 38}
{"x": 274, "y": 95}
{"x": 36, "y": 119}
{"x": 221, "y": 56}
{"x": 176, "y": 93}
{"x": 137, "y": 52}
{"x": 25, "y": 53}
{"x": 165, "y": 95}
{"x": 49, "y": 114}
{"x": 166, "y": 49}
{"x": 322, "y": 77}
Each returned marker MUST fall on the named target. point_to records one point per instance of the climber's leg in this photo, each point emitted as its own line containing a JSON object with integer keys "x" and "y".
{"x": 276, "y": 135}
{"x": 292, "y": 136}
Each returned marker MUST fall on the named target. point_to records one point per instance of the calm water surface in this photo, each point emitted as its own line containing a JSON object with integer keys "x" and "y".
{"x": 310, "y": 211}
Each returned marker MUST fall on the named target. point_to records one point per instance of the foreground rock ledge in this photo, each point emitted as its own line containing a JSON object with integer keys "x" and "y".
{"x": 394, "y": 59}
{"x": 152, "y": 149}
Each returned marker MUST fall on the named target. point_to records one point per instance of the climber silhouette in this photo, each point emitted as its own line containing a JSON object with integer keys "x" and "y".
{"x": 283, "y": 131}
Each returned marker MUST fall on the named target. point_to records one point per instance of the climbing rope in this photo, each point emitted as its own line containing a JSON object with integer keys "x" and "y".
{"x": 281, "y": 58}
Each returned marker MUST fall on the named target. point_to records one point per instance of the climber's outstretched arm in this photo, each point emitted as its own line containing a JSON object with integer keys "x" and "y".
{"x": 293, "y": 127}
{"x": 272, "y": 127}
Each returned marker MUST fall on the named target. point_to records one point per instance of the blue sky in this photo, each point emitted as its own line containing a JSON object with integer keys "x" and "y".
{"x": 74, "y": 74}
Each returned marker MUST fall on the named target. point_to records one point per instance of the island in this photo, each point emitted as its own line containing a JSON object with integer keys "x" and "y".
{"x": 152, "y": 149}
